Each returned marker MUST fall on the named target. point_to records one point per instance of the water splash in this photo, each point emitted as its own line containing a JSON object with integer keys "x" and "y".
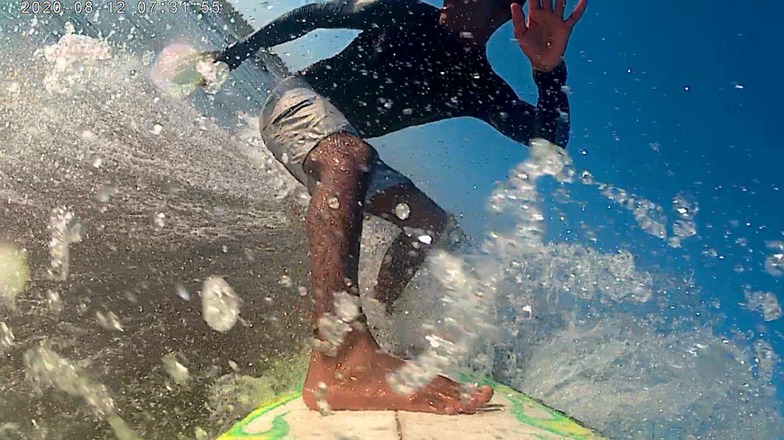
{"x": 65, "y": 230}
{"x": 14, "y": 274}
{"x": 74, "y": 59}
{"x": 6, "y": 337}
{"x": 686, "y": 209}
{"x": 109, "y": 321}
{"x": 774, "y": 263}
{"x": 470, "y": 296}
{"x": 220, "y": 305}
{"x": 233, "y": 396}
{"x": 620, "y": 346}
{"x": 451, "y": 339}
{"x": 180, "y": 70}
{"x": 177, "y": 371}
{"x": 650, "y": 216}
{"x": 764, "y": 303}
{"x": 333, "y": 327}
{"x": 46, "y": 368}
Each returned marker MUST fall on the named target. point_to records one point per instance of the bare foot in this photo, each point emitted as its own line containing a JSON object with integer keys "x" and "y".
{"x": 356, "y": 380}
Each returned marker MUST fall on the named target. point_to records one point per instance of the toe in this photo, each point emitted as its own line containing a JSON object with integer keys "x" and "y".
{"x": 480, "y": 397}
{"x": 484, "y": 394}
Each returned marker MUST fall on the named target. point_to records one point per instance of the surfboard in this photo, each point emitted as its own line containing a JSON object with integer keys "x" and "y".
{"x": 513, "y": 415}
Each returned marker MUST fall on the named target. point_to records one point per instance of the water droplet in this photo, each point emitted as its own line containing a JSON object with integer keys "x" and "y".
{"x": 346, "y": 306}
{"x": 178, "y": 372}
{"x": 774, "y": 264}
{"x": 14, "y": 274}
{"x": 53, "y": 301}
{"x": 105, "y": 193}
{"x": 426, "y": 239}
{"x": 65, "y": 230}
{"x": 88, "y": 135}
{"x": 220, "y": 305}
{"x": 109, "y": 321}
{"x": 182, "y": 292}
{"x": 6, "y": 337}
{"x": 46, "y": 368}
{"x": 157, "y": 129}
{"x": 402, "y": 211}
{"x": 285, "y": 281}
{"x": 321, "y": 400}
{"x": 200, "y": 433}
{"x": 159, "y": 220}
{"x": 764, "y": 303}
{"x": 333, "y": 203}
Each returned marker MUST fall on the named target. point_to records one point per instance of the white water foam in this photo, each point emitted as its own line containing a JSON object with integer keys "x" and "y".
{"x": 593, "y": 333}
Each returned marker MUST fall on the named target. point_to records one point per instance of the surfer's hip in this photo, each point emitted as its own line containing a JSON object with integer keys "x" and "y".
{"x": 295, "y": 119}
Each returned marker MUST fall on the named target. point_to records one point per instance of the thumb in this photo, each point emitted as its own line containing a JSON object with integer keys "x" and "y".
{"x": 518, "y": 20}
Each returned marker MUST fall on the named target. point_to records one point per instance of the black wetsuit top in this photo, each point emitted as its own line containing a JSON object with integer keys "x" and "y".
{"x": 406, "y": 69}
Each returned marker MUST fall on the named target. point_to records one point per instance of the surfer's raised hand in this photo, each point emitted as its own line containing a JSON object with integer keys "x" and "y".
{"x": 544, "y": 34}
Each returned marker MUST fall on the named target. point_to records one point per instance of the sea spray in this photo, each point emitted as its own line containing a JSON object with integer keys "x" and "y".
{"x": 470, "y": 295}
{"x": 48, "y": 369}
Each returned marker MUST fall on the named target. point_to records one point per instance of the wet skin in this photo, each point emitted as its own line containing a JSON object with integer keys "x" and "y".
{"x": 355, "y": 374}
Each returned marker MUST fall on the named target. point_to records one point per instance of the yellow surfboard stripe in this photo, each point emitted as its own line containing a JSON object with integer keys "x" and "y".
{"x": 527, "y": 410}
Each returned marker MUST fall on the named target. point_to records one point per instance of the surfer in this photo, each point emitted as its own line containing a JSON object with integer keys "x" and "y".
{"x": 411, "y": 64}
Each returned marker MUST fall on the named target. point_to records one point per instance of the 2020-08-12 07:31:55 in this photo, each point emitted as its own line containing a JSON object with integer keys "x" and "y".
{"x": 119, "y": 6}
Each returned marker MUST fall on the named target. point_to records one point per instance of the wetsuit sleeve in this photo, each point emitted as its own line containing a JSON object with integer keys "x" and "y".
{"x": 335, "y": 14}
{"x": 522, "y": 122}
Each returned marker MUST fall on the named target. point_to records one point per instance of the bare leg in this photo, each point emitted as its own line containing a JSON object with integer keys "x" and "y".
{"x": 355, "y": 376}
{"x": 407, "y": 252}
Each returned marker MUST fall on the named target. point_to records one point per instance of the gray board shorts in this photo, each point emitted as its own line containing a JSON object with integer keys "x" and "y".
{"x": 295, "y": 119}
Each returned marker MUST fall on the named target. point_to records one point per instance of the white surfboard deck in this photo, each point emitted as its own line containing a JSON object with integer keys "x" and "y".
{"x": 514, "y": 416}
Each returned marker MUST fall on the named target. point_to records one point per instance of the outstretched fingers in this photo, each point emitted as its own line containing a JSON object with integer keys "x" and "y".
{"x": 578, "y": 12}
{"x": 560, "y": 7}
{"x": 518, "y": 19}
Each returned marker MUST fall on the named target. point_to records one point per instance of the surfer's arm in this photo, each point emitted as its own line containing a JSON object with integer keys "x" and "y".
{"x": 521, "y": 121}
{"x": 335, "y": 14}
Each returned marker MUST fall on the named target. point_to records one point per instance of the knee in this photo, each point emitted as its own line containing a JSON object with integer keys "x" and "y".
{"x": 342, "y": 155}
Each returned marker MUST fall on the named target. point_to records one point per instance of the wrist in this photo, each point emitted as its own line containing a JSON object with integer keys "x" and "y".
{"x": 547, "y": 68}
{"x": 555, "y": 77}
{"x": 228, "y": 56}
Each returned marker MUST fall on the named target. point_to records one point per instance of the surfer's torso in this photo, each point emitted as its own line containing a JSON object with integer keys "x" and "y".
{"x": 406, "y": 69}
